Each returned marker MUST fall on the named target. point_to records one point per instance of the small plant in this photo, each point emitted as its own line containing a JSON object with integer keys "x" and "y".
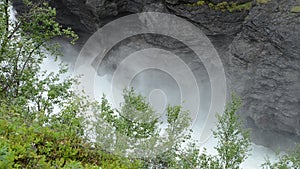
{"x": 295, "y": 9}
{"x": 200, "y": 3}
{"x": 291, "y": 160}
{"x": 263, "y": 1}
{"x": 224, "y": 6}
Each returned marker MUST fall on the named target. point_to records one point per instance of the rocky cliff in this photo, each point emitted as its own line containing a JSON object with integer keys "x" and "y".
{"x": 258, "y": 41}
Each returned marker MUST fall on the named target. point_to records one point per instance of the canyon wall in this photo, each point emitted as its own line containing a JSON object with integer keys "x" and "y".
{"x": 258, "y": 42}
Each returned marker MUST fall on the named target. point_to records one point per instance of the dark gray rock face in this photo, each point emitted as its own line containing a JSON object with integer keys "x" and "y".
{"x": 260, "y": 49}
{"x": 266, "y": 54}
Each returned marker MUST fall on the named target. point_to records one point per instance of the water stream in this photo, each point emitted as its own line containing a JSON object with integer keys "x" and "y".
{"x": 103, "y": 85}
{"x": 159, "y": 91}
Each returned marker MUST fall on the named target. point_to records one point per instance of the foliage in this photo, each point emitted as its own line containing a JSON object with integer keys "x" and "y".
{"x": 135, "y": 127}
{"x": 43, "y": 125}
{"x": 295, "y": 9}
{"x": 233, "y": 141}
{"x": 287, "y": 161}
{"x": 263, "y": 1}
{"x": 32, "y": 133}
{"x": 224, "y": 5}
{"x": 23, "y": 46}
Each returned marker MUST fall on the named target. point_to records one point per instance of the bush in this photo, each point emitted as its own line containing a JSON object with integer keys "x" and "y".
{"x": 32, "y": 134}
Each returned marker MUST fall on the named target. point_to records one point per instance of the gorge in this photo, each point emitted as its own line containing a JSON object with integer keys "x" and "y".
{"x": 258, "y": 42}
{"x": 259, "y": 48}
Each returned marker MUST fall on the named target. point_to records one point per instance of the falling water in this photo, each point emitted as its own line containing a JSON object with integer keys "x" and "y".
{"x": 103, "y": 84}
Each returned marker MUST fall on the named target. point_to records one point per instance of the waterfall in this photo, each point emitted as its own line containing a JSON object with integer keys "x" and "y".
{"x": 102, "y": 85}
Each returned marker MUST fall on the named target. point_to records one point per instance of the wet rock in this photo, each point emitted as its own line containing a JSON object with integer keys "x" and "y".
{"x": 259, "y": 49}
{"x": 267, "y": 56}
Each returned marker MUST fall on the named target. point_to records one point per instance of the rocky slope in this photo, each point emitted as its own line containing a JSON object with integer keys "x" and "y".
{"x": 258, "y": 42}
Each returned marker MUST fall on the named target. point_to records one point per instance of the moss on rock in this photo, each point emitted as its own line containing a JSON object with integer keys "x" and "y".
{"x": 295, "y": 9}
{"x": 225, "y": 6}
{"x": 263, "y": 1}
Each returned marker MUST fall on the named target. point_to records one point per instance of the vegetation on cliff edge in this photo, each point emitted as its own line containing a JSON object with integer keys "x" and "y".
{"x": 42, "y": 120}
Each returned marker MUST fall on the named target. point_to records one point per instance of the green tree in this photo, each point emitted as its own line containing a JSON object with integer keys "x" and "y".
{"x": 32, "y": 134}
{"x": 233, "y": 140}
{"x": 290, "y": 160}
{"x": 136, "y": 127}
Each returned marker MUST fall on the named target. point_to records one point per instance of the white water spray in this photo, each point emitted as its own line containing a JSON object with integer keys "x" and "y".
{"x": 102, "y": 86}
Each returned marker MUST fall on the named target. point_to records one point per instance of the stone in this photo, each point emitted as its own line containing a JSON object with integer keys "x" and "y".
{"x": 260, "y": 50}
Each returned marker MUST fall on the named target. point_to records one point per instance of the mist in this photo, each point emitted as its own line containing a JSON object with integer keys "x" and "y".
{"x": 160, "y": 89}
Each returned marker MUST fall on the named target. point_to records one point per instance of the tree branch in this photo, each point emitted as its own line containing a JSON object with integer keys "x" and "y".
{"x": 4, "y": 42}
